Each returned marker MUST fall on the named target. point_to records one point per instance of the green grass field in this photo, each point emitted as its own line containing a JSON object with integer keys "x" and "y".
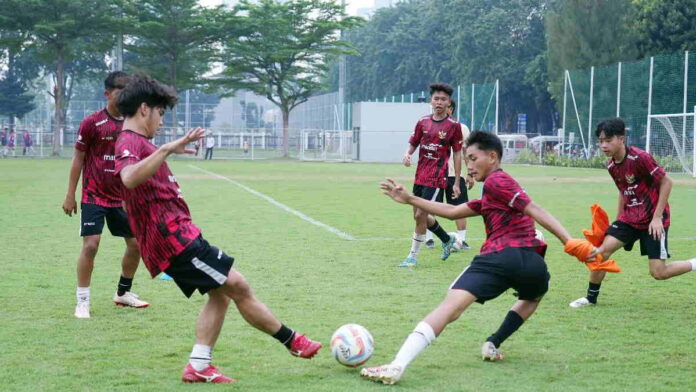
{"x": 640, "y": 337}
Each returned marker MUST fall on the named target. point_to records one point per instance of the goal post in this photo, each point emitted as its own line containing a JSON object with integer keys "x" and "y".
{"x": 326, "y": 145}
{"x": 672, "y": 141}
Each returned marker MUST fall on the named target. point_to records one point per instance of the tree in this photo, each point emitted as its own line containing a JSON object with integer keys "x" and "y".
{"x": 281, "y": 50}
{"x": 20, "y": 69}
{"x": 63, "y": 33}
{"x": 174, "y": 41}
{"x": 665, "y": 26}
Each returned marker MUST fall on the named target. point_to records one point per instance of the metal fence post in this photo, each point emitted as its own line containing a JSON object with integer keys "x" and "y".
{"x": 589, "y": 120}
{"x": 497, "y": 103}
{"x": 618, "y": 92}
{"x": 650, "y": 88}
{"x": 686, "y": 86}
{"x": 473, "y": 95}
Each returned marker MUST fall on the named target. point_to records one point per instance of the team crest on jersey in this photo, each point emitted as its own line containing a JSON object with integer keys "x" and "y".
{"x": 442, "y": 134}
{"x": 630, "y": 178}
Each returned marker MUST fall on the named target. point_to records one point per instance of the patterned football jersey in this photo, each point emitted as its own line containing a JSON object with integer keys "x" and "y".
{"x": 436, "y": 140}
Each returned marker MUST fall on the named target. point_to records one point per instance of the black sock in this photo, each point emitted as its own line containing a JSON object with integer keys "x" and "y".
{"x": 512, "y": 322}
{"x": 593, "y": 292}
{"x": 124, "y": 284}
{"x": 439, "y": 232}
{"x": 284, "y": 335}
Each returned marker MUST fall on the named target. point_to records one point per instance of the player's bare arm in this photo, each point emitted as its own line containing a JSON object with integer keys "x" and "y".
{"x": 136, "y": 174}
{"x": 406, "y": 160}
{"x": 78, "y": 161}
{"x": 397, "y": 192}
{"x": 656, "y": 228}
{"x": 547, "y": 221}
{"x": 457, "y": 158}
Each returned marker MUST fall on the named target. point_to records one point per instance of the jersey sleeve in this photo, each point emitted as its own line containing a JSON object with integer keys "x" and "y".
{"x": 416, "y": 136}
{"x": 507, "y": 191}
{"x": 475, "y": 205}
{"x": 85, "y": 136}
{"x": 650, "y": 168}
{"x": 457, "y": 140}
{"x": 127, "y": 153}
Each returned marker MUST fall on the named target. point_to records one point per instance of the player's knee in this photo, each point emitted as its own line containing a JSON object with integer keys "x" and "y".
{"x": 238, "y": 286}
{"x": 658, "y": 274}
{"x": 420, "y": 215}
{"x": 90, "y": 246}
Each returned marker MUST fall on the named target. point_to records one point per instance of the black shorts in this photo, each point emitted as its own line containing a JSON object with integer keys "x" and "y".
{"x": 200, "y": 267}
{"x": 654, "y": 249}
{"x": 428, "y": 193}
{"x": 92, "y": 220}
{"x": 491, "y": 274}
{"x": 463, "y": 196}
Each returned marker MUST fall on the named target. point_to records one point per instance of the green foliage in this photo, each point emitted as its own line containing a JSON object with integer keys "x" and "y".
{"x": 665, "y": 26}
{"x": 15, "y": 100}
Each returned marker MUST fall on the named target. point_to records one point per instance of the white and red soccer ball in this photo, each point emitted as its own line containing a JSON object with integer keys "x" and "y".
{"x": 352, "y": 345}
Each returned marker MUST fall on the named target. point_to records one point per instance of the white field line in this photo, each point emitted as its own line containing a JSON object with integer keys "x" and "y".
{"x": 280, "y": 205}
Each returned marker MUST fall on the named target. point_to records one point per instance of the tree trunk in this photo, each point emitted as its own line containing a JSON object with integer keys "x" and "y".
{"x": 286, "y": 133}
{"x": 59, "y": 98}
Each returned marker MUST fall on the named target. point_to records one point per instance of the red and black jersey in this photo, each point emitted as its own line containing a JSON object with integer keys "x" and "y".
{"x": 436, "y": 140}
{"x": 158, "y": 215}
{"x": 96, "y": 138}
{"x": 501, "y": 206}
{"x": 638, "y": 179}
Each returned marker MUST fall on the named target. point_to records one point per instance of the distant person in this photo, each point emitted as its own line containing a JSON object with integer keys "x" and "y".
{"x": 11, "y": 141}
{"x": 209, "y": 145}
{"x": 197, "y": 146}
{"x": 28, "y": 143}
{"x": 436, "y": 136}
{"x": 3, "y": 139}
{"x": 245, "y": 147}
{"x": 172, "y": 243}
{"x": 101, "y": 199}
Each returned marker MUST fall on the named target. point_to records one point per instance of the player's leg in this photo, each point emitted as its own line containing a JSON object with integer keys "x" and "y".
{"x": 459, "y": 223}
{"x": 609, "y": 246}
{"x": 418, "y": 233}
{"x": 657, "y": 253}
{"x": 91, "y": 225}
{"x": 117, "y": 221}
{"x": 425, "y": 333}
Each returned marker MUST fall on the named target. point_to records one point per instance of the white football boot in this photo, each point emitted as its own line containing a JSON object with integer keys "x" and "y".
{"x": 82, "y": 309}
{"x": 581, "y": 302}
{"x": 386, "y": 374}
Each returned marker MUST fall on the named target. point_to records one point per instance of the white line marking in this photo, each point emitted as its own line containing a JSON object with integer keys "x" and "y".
{"x": 280, "y": 205}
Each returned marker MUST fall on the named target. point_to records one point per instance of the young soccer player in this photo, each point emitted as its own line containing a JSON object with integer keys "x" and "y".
{"x": 466, "y": 182}
{"x": 94, "y": 159}
{"x": 511, "y": 257}
{"x": 643, "y": 212}
{"x": 170, "y": 242}
{"x": 11, "y": 141}
{"x": 28, "y": 143}
{"x": 436, "y": 135}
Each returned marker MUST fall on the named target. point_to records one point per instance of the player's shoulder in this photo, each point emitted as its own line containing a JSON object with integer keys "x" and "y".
{"x": 500, "y": 178}
{"x": 452, "y": 120}
{"x": 424, "y": 119}
{"x": 636, "y": 154}
{"x": 96, "y": 119}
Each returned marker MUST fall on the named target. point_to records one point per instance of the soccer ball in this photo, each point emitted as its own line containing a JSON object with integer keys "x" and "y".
{"x": 352, "y": 345}
{"x": 457, "y": 246}
{"x": 539, "y": 235}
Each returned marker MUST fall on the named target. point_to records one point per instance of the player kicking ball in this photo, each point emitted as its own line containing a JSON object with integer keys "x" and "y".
{"x": 511, "y": 257}
{"x": 170, "y": 242}
{"x": 643, "y": 213}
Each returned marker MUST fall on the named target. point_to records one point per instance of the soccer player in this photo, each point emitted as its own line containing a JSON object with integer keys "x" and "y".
{"x": 643, "y": 212}
{"x": 3, "y": 141}
{"x": 28, "y": 143}
{"x": 170, "y": 242}
{"x": 464, "y": 186}
{"x": 511, "y": 257}
{"x": 94, "y": 159}
{"x": 11, "y": 141}
{"x": 435, "y": 135}
{"x": 209, "y": 146}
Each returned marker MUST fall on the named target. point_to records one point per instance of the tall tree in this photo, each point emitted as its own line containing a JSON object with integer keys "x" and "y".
{"x": 665, "y": 26}
{"x": 62, "y": 32}
{"x": 15, "y": 82}
{"x": 281, "y": 50}
{"x": 174, "y": 41}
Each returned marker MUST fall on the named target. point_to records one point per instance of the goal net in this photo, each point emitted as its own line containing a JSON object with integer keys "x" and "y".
{"x": 671, "y": 141}
{"x": 322, "y": 145}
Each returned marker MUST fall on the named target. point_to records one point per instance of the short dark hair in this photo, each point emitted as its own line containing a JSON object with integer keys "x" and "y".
{"x": 611, "y": 127}
{"x": 142, "y": 88}
{"x": 444, "y": 87}
{"x": 486, "y": 141}
{"x": 113, "y": 80}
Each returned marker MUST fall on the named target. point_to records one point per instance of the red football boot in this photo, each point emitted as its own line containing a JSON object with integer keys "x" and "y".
{"x": 303, "y": 347}
{"x": 209, "y": 374}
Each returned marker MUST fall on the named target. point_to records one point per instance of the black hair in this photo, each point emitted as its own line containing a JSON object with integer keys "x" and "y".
{"x": 444, "y": 87}
{"x": 486, "y": 141}
{"x": 453, "y": 105}
{"x": 142, "y": 88}
{"x": 611, "y": 127}
{"x": 115, "y": 79}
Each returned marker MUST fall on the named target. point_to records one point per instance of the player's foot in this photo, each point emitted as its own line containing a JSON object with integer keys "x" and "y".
{"x": 304, "y": 347}
{"x": 408, "y": 262}
{"x": 490, "y": 353}
{"x": 447, "y": 248}
{"x": 130, "y": 299}
{"x": 82, "y": 309}
{"x": 457, "y": 246}
{"x": 386, "y": 374}
{"x": 209, "y": 374}
{"x": 430, "y": 243}
{"x": 580, "y": 302}
{"x": 465, "y": 246}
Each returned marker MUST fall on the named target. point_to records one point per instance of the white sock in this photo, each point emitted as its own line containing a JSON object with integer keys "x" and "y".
{"x": 417, "y": 341}
{"x": 418, "y": 240}
{"x": 461, "y": 234}
{"x": 693, "y": 264}
{"x": 201, "y": 356}
{"x": 82, "y": 294}
{"x": 428, "y": 235}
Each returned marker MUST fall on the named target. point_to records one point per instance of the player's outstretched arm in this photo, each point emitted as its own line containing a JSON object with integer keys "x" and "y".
{"x": 78, "y": 161}
{"x": 656, "y": 228}
{"x": 138, "y": 173}
{"x": 397, "y": 192}
{"x": 548, "y": 221}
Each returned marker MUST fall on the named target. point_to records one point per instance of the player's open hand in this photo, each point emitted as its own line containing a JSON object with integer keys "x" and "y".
{"x": 395, "y": 190}
{"x": 656, "y": 230}
{"x": 70, "y": 206}
{"x": 592, "y": 255}
{"x": 406, "y": 160}
{"x": 456, "y": 191}
{"x": 178, "y": 146}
